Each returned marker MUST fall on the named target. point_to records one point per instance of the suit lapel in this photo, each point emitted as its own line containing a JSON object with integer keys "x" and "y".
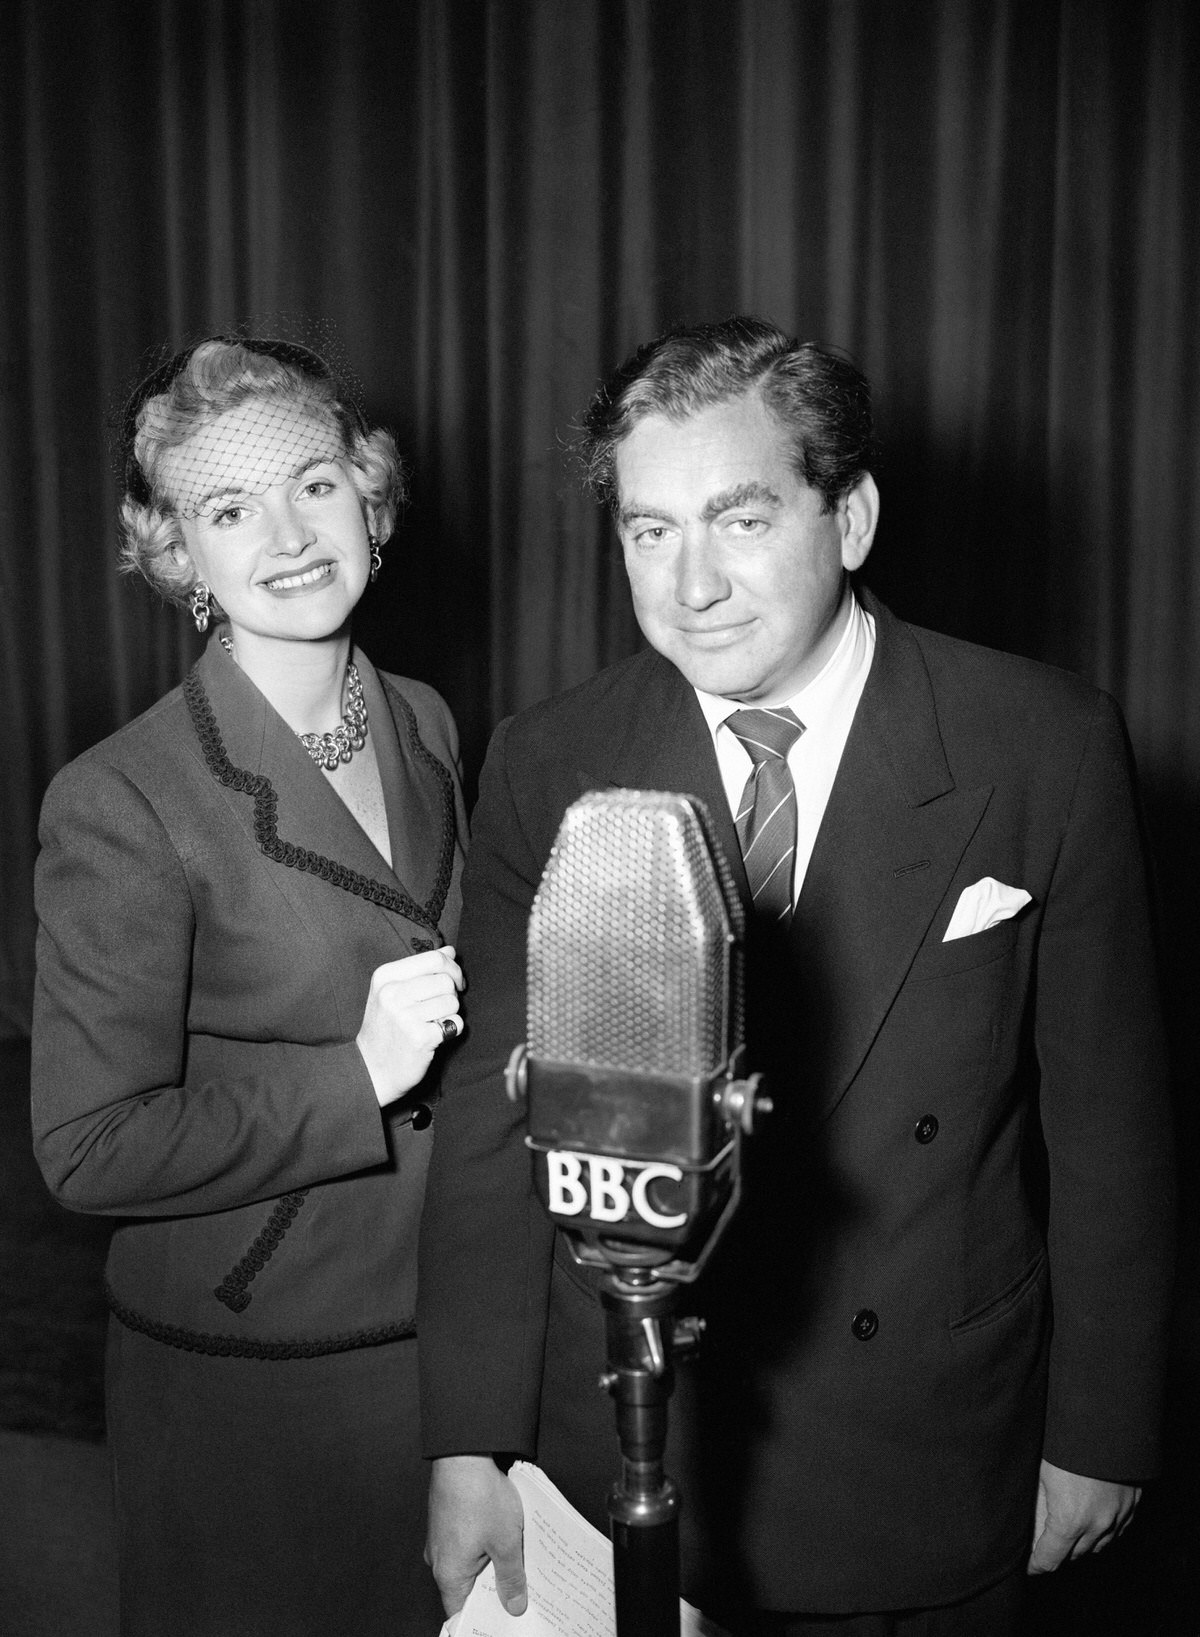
{"x": 308, "y": 814}
{"x": 890, "y": 841}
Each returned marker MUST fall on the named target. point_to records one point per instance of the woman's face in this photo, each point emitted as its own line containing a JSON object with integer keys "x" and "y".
{"x": 286, "y": 558}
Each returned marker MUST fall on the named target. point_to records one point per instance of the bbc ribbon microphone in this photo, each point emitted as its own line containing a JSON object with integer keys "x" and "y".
{"x": 632, "y": 1067}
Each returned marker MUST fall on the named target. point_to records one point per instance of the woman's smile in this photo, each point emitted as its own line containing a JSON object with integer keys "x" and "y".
{"x": 302, "y": 581}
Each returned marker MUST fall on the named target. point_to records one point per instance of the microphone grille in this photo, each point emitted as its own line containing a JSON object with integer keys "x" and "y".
{"x": 631, "y": 939}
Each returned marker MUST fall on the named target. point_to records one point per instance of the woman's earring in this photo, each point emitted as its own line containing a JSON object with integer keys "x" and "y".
{"x": 376, "y": 559}
{"x": 201, "y": 611}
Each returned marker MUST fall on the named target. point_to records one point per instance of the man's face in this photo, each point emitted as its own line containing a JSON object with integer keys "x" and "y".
{"x": 737, "y": 575}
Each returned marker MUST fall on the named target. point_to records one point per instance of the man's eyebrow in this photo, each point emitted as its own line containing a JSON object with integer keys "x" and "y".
{"x": 636, "y": 509}
{"x": 745, "y": 494}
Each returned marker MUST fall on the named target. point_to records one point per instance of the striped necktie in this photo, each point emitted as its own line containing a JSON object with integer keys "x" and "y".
{"x": 766, "y": 819}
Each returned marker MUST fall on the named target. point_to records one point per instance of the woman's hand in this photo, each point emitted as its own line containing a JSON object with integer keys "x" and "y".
{"x": 402, "y": 1025}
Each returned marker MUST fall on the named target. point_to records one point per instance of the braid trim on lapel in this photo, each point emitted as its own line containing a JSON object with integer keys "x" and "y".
{"x": 266, "y": 803}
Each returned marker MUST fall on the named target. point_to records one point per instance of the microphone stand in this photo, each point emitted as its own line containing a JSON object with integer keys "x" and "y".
{"x": 642, "y": 1338}
{"x": 643, "y": 1506}
{"x": 638, "y": 1291}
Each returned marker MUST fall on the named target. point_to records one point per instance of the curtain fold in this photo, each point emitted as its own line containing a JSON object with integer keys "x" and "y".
{"x": 482, "y": 208}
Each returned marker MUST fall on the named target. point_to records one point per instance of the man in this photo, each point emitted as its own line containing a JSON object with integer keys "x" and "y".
{"x": 951, "y": 990}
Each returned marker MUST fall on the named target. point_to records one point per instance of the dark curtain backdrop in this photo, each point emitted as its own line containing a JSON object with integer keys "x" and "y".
{"x": 482, "y": 206}
{"x": 993, "y": 205}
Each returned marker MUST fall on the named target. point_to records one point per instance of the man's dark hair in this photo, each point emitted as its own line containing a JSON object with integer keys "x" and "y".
{"x": 822, "y": 402}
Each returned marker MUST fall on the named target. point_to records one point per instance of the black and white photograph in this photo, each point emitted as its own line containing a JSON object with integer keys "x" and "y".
{"x": 600, "y": 624}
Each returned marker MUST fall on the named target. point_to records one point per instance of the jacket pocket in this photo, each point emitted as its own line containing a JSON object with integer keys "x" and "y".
{"x": 941, "y": 960}
{"x": 232, "y": 1289}
{"x": 1000, "y": 1306}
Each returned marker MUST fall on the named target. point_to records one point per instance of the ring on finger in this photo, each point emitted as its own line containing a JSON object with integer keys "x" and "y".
{"x": 449, "y": 1028}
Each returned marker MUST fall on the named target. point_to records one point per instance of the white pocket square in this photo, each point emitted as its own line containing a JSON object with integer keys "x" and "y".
{"x": 985, "y": 905}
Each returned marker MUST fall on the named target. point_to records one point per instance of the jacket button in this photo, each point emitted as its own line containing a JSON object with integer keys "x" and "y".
{"x": 926, "y": 1128}
{"x": 864, "y": 1324}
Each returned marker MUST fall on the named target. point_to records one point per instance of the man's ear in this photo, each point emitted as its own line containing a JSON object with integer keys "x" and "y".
{"x": 858, "y": 515}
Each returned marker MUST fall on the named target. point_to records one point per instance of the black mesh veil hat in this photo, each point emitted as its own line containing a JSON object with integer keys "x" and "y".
{"x": 271, "y": 453}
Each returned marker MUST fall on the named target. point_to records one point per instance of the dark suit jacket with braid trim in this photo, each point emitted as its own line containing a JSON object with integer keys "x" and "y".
{"x": 210, "y": 917}
{"x": 1020, "y": 1291}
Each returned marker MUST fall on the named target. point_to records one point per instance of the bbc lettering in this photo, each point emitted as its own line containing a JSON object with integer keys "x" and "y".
{"x": 613, "y": 1189}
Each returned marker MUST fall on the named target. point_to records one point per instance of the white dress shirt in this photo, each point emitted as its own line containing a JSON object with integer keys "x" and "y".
{"x": 826, "y": 706}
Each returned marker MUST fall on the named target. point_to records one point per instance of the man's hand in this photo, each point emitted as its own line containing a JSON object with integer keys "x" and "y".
{"x": 475, "y": 1513}
{"x": 1075, "y": 1515}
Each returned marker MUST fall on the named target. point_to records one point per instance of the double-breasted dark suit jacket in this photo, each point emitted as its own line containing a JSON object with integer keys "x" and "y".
{"x": 210, "y": 917}
{"x": 952, "y": 1256}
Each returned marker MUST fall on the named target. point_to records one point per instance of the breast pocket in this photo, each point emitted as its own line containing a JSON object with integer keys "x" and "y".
{"x": 965, "y": 954}
{"x": 951, "y": 1012}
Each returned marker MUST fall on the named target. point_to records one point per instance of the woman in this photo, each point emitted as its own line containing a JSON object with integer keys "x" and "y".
{"x": 247, "y": 899}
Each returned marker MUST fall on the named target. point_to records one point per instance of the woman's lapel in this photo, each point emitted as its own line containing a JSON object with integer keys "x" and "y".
{"x": 301, "y": 810}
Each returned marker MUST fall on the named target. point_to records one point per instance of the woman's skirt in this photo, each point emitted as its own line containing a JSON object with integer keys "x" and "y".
{"x": 256, "y": 1497}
